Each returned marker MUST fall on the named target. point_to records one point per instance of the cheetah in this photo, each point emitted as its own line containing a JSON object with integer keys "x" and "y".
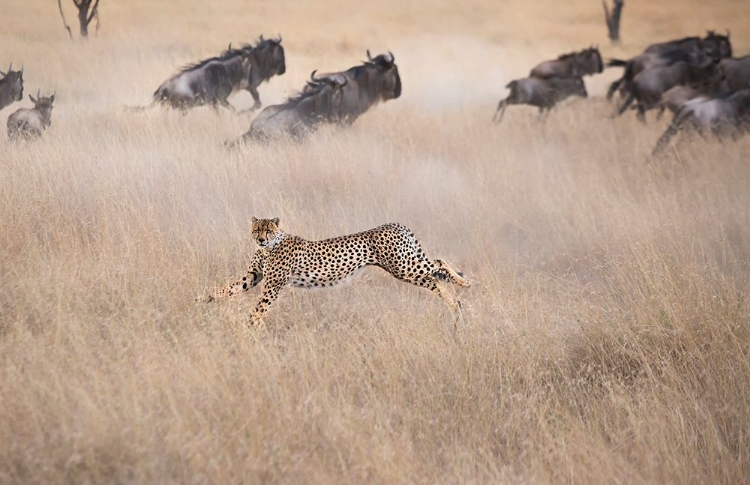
{"x": 283, "y": 259}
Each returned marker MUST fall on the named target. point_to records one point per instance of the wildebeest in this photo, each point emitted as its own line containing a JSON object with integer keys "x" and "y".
{"x": 735, "y": 73}
{"x": 543, "y": 93}
{"x": 267, "y": 59}
{"x": 30, "y": 123}
{"x": 373, "y": 81}
{"x": 721, "y": 115}
{"x": 583, "y": 63}
{"x": 648, "y": 86}
{"x": 714, "y": 46}
{"x": 11, "y": 86}
{"x": 320, "y": 102}
{"x": 211, "y": 81}
{"x": 674, "y": 98}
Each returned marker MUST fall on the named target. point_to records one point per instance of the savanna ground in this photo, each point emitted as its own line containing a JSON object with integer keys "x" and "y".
{"x": 605, "y": 340}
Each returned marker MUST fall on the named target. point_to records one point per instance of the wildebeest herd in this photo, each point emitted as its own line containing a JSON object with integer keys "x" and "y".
{"x": 696, "y": 78}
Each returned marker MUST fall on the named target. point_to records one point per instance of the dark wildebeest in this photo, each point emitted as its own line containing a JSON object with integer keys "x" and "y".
{"x": 267, "y": 59}
{"x": 11, "y": 86}
{"x": 713, "y": 45}
{"x": 212, "y": 81}
{"x": 30, "y": 123}
{"x": 648, "y": 86}
{"x": 674, "y": 98}
{"x": 320, "y": 102}
{"x": 721, "y": 115}
{"x": 543, "y": 93}
{"x": 375, "y": 80}
{"x": 583, "y": 63}
{"x": 735, "y": 73}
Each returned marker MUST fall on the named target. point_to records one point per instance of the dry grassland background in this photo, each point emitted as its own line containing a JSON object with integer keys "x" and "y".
{"x": 605, "y": 340}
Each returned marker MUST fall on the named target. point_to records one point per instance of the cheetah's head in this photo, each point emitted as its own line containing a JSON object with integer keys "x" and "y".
{"x": 265, "y": 232}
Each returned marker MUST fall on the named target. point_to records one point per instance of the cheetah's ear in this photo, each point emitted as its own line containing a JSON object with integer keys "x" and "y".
{"x": 254, "y": 220}
{"x": 275, "y": 220}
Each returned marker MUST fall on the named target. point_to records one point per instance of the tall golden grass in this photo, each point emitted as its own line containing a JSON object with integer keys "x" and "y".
{"x": 605, "y": 340}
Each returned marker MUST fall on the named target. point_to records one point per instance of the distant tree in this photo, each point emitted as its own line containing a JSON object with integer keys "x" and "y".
{"x": 88, "y": 10}
{"x": 613, "y": 18}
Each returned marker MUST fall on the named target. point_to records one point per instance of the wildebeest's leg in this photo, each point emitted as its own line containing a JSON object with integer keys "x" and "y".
{"x": 672, "y": 129}
{"x": 641, "y": 114}
{"x": 256, "y": 97}
{"x": 662, "y": 108}
{"x": 626, "y": 104}
{"x": 225, "y": 103}
{"x": 613, "y": 87}
{"x": 500, "y": 110}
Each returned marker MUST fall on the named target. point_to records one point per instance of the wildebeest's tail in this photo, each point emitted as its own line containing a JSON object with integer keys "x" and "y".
{"x": 616, "y": 63}
{"x": 158, "y": 97}
{"x": 626, "y": 75}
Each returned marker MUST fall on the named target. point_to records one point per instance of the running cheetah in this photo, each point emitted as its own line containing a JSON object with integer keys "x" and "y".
{"x": 286, "y": 259}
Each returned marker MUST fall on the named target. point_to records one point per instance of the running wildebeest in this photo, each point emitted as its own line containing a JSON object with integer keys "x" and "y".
{"x": 583, "y": 63}
{"x": 211, "y": 81}
{"x": 11, "y": 86}
{"x": 713, "y": 45}
{"x": 267, "y": 59}
{"x": 320, "y": 102}
{"x": 543, "y": 93}
{"x": 30, "y": 123}
{"x": 674, "y": 98}
{"x": 374, "y": 81}
{"x": 648, "y": 86}
{"x": 735, "y": 72}
{"x": 728, "y": 114}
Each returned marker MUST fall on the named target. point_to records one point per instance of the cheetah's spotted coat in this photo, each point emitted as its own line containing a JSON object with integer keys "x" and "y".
{"x": 286, "y": 259}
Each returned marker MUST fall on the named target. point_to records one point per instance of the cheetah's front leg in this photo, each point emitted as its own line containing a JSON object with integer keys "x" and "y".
{"x": 270, "y": 292}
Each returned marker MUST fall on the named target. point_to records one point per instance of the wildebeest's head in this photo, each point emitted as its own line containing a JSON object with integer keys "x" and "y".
{"x": 384, "y": 75}
{"x": 44, "y": 107}
{"x": 592, "y": 59}
{"x": 324, "y": 96}
{"x": 717, "y": 46}
{"x": 269, "y": 57}
{"x": 13, "y": 82}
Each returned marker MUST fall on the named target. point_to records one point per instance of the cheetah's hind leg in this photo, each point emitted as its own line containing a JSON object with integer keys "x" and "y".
{"x": 446, "y": 272}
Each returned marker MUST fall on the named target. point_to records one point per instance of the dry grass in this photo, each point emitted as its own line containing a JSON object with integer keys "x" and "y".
{"x": 606, "y": 338}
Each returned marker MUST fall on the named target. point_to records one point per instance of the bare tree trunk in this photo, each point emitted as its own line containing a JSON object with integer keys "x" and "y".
{"x": 83, "y": 13}
{"x": 86, "y": 13}
{"x": 613, "y": 18}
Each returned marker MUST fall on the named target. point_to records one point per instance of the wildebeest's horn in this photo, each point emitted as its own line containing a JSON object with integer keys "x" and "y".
{"x": 312, "y": 76}
{"x": 230, "y": 47}
{"x": 339, "y": 79}
{"x": 390, "y": 54}
{"x": 37, "y": 94}
{"x": 21, "y": 68}
{"x": 261, "y": 37}
{"x": 10, "y": 68}
{"x": 278, "y": 39}
{"x": 369, "y": 57}
{"x": 729, "y": 33}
